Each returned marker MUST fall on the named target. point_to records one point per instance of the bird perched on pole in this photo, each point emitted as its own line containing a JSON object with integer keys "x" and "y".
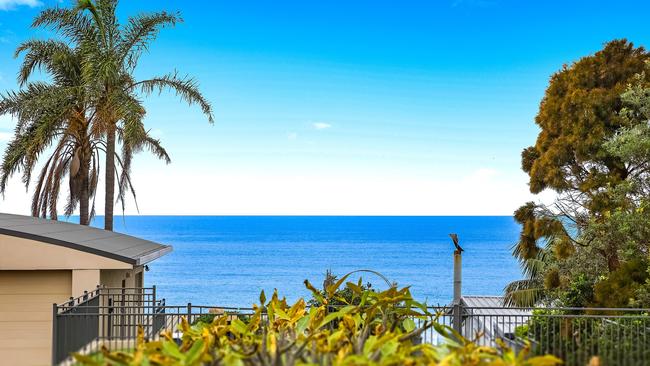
{"x": 454, "y": 238}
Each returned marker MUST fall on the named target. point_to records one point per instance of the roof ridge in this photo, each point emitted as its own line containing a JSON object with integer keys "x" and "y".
{"x": 484, "y": 296}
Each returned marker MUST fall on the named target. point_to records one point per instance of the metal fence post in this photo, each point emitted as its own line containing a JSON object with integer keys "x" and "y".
{"x": 152, "y": 310}
{"x": 189, "y": 312}
{"x": 457, "y": 318}
{"x": 110, "y": 318}
{"x": 54, "y": 333}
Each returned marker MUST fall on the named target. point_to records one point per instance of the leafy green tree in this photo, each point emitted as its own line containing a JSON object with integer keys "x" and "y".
{"x": 579, "y": 110}
{"x": 620, "y": 288}
{"x": 579, "y": 154}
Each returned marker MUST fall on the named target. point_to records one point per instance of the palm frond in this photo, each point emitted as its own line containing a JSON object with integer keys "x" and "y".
{"x": 67, "y": 22}
{"x": 125, "y": 185}
{"x": 523, "y": 293}
{"x": 140, "y": 31}
{"x": 36, "y": 197}
{"x": 533, "y": 267}
{"x": 39, "y": 54}
{"x": 55, "y": 187}
{"x": 23, "y": 151}
{"x": 185, "y": 87}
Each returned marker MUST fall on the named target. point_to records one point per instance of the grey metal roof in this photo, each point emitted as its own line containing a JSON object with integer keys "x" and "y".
{"x": 490, "y": 305}
{"x": 488, "y": 315}
{"x": 88, "y": 239}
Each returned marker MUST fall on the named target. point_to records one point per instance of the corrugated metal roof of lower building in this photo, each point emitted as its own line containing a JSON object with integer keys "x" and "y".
{"x": 105, "y": 243}
{"x": 490, "y": 305}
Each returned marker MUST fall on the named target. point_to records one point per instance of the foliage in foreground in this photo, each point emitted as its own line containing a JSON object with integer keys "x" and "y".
{"x": 378, "y": 328}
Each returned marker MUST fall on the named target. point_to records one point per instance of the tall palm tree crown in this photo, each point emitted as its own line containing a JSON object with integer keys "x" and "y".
{"x": 111, "y": 57}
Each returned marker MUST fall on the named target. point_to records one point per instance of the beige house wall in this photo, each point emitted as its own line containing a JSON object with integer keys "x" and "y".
{"x": 114, "y": 278}
{"x": 27, "y": 254}
{"x": 26, "y": 299}
{"x": 84, "y": 280}
{"x": 33, "y": 276}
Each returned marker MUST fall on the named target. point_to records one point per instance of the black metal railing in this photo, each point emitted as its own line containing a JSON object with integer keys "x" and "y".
{"x": 112, "y": 317}
{"x": 78, "y": 328}
{"x": 81, "y": 324}
{"x": 616, "y": 336}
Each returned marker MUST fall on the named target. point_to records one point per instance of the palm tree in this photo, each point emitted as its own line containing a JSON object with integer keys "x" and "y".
{"x": 529, "y": 291}
{"x": 111, "y": 57}
{"x": 63, "y": 113}
{"x": 545, "y": 238}
{"x": 55, "y": 113}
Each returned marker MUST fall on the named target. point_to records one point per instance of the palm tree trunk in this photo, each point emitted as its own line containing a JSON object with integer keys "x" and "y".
{"x": 84, "y": 190}
{"x": 84, "y": 198}
{"x": 109, "y": 199}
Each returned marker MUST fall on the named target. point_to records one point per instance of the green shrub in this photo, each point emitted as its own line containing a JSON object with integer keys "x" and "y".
{"x": 342, "y": 296}
{"x": 209, "y": 317}
{"x": 375, "y": 328}
{"x": 204, "y": 318}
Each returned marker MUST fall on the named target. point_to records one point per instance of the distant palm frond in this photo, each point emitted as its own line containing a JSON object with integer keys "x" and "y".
{"x": 523, "y": 293}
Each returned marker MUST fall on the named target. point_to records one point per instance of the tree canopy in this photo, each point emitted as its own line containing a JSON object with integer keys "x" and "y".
{"x": 579, "y": 110}
{"x": 593, "y": 151}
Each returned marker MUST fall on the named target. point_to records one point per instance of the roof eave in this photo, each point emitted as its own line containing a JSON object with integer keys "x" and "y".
{"x": 149, "y": 257}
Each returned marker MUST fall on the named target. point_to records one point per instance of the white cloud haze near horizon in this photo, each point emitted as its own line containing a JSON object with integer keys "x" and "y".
{"x": 179, "y": 191}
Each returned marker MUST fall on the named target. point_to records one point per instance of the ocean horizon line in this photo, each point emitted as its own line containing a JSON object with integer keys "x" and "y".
{"x": 289, "y": 215}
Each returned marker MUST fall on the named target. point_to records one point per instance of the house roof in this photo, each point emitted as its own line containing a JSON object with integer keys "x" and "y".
{"x": 489, "y": 305}
{"x": 88, "y": 239}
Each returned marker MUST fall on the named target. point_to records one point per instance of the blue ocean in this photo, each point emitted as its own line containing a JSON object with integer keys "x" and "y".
{"x": 228, "y": 260}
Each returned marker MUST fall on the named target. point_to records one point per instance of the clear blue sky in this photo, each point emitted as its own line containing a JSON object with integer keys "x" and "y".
{"x": 348, "y": 107}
